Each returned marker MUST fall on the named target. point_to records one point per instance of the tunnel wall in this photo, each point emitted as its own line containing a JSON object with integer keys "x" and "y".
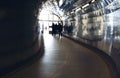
{"x": 98, "y": 26}
{"x": 19, "y": 34}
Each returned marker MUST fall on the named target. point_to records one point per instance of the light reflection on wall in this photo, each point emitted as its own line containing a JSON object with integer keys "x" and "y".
{"x": 101, "y": 29}
{"x": 100, "y": 24}
{"x": 92, "y": 27}
{"x": 111, "y": 21}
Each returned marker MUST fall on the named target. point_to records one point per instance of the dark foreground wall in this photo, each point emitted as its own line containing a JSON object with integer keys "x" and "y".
{"x": 18, "y": 32}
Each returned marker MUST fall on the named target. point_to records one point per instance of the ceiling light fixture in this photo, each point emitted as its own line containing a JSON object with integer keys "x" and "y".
{"x": 85, "y": 5}
{"x": 93, "y": 1}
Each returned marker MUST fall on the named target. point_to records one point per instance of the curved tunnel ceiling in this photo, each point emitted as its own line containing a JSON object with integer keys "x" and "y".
{"x": 97, "y": 7}
{"x": 104, "y": 9}
{"x": 68, "y": 6}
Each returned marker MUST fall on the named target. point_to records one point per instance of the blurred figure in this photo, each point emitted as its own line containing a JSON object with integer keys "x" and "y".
{"x": 70, "y": 29}
{"x": 53, "y": 29}
{"x": 42, "y": 29}
{"x": 60, "y": 29}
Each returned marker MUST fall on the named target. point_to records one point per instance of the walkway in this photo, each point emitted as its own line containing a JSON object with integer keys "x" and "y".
{"x": 64, "y": 58}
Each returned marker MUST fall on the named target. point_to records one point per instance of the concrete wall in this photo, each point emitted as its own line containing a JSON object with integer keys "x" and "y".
{"x": 19, "y": 36}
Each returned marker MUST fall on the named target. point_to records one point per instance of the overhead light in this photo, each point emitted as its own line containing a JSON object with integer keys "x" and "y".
{"x": 85, "y": 5}
{"x": 78, "y": 9}
{"x": 93, "y": 1}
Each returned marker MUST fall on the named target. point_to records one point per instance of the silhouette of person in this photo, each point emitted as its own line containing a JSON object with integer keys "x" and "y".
{"x": 60, "y": 28}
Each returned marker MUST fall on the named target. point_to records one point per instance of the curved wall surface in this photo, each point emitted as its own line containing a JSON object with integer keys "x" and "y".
{"x": 98, "y": 26}
{"x": 19, "y": 36}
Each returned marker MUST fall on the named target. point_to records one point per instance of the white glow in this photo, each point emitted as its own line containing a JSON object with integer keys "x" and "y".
{"x": 78, "y": 9}
{"x": 85, "y": 5}
{"x": 43, "y": 15}
{"x": 46, "y": 18}
{"x": 93, "y": 1}
{"x": 60, "y": 2}
{"x": 49, "y": 14}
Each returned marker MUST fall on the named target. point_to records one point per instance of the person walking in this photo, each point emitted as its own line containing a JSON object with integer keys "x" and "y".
{"x": 60, "y": 29}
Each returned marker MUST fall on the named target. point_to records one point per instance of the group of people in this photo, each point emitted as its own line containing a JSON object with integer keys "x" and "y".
{"x": 57, "y": 29}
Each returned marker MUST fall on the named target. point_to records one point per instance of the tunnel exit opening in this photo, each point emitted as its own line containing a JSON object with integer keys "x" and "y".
{"x": 46, "y": 19}
{"x": 50, "y": 13}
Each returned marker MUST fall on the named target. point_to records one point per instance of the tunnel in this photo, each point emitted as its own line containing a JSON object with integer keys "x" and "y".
{"x": 93, "y": 23}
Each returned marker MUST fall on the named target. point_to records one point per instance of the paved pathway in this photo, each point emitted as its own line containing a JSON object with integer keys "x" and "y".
{"x": 64, "y": 58}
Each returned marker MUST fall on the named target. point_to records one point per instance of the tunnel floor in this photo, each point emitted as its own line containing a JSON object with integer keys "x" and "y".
{"x": 64, "y": 58}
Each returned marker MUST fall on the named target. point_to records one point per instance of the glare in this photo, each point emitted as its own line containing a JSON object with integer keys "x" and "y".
{"x": 111, "y": 17}
{"x": 61, "y": 2}
{"x": 43, "y": 15}
{"x": 50, "y": 13}
{"x": 86, "y": 5}
{"x": 93, "y": 0}
{"x": 46, "y": 18}
{"x": 78, "y": 9}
